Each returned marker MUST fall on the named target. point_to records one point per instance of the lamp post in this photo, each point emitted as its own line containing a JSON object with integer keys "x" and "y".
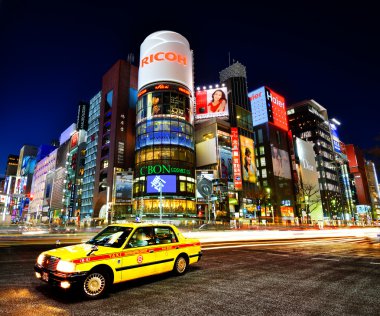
{"x": 160, "y": 202}
{"x": 269, "y": 204}
{"x": 109, "y": 219}
{"x": 105, "y": 184}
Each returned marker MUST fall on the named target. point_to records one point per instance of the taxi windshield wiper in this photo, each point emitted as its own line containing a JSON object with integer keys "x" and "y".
{"x": 93, "y": 248}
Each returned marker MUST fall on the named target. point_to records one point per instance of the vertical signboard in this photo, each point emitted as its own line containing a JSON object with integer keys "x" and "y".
{"x": 236, "y": 164}
{"x": 335, "y": 138}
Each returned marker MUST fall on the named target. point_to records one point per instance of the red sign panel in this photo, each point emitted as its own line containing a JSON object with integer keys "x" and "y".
{"x": 280, "y": 118}
{"x": 236, "y": 164}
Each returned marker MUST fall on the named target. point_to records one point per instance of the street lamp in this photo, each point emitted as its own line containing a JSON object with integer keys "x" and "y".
{"x": 307, "y": 208}
{"x": 105, "y": 184}
{"x": 160, "y": 202}
{"x": 269, "y": 204}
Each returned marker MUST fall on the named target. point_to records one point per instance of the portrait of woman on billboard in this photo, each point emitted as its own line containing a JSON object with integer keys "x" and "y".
{"x": 211, "y": 103}
{"x": 218, "y": 102}
{"x": 280, "y": 161}
{"x": 248, "y": 160}
{"x": 249, "y": 168}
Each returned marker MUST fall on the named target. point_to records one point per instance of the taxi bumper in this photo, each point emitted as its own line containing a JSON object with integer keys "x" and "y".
{"x": 56, "y": 278}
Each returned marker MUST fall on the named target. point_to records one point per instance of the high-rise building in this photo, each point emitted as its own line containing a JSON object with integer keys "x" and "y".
{"x": 241, "y": 190}
{"x": 72, "y": 188}
{"x": 87, "y": 209}
{"x": 56, "y": 180}
{"x": 12, "y": 164}
{"x": 165, "y": 158}
{"x": 116, "y": 138}
{"x": 273, "y": 146}
{"x": 346, "y": 179}
{"x": 39, "y": 206}
{"x": 373, "y": 185}
{"x": 308, "y": 120}
{"x": 357, "y": 164}
{"x": 25, "y": 169}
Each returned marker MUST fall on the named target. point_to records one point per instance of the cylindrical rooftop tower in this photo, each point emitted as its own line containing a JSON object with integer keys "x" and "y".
{"x": 165, "y": 158}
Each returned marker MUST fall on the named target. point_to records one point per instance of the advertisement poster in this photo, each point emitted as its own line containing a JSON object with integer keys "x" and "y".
{"x": 204, "y": 184}
{"x": 211, "y": 103}
{"x": 248, "y": 160}
{"x": 281, "y": 164}
{"x": 123, "y": 187}
{"x": 236, "y": 164}
{"x": 225, "y": 165}
{"x": 163, "y": 183}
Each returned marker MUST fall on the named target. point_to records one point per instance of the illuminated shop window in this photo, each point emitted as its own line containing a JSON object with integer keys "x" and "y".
{"x": 190, "y": 187}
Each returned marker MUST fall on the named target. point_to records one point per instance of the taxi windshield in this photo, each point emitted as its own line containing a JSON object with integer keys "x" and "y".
{"x": 111, "y": 236}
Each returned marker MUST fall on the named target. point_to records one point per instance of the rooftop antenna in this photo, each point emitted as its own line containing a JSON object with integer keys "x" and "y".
{"x": 229, "y": 59}
{"x": 131, "y": 58}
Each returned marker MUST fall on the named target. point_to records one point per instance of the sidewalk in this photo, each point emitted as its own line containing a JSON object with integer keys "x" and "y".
{"x": 272, "y": 234}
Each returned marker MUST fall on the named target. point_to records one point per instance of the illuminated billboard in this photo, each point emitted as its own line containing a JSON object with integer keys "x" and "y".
{"x": 28, "y": 165}
{"x": 211, "y": 103}
{"x": 204, "y": 184}
{"x": 165, "y": 56}
{"x": 225, "y": 164}
{"x": 236, "y": 162}
{"x": 248, "y": 159}
{"x": 308, "y": 166}
{"x": 163, "y": 183}
{"x": 335, "y": 138}
{"x": 268, "y": 106}
{"x": 281, "y": 164}
{"x": 123, "y": 187}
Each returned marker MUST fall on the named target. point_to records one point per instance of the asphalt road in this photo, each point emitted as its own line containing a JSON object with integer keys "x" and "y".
{"x": 336, "y": 276}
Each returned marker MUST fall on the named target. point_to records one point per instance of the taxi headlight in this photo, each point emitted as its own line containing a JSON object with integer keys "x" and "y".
{"x": 40, "y": 259}
{"x": 66, "y": 266}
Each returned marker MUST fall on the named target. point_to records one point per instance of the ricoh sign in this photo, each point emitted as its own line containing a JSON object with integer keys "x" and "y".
{"x": 165, "y": 56}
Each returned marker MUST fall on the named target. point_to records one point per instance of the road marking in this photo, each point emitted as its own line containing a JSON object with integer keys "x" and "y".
{"x": 326, "y": 259}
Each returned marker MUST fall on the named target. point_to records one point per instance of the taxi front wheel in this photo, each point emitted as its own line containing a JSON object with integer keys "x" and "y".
{"x": 96, "y": 284}
{"x": 180, "y": 265}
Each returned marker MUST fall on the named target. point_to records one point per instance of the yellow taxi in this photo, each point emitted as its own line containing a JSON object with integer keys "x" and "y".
{"x": 118, "y": 253}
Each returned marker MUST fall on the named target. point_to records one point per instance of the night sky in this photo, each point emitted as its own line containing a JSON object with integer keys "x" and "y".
{"x": 54, "y": 54}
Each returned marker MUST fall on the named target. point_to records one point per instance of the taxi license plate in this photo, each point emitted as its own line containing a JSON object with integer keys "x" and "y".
{"x": 45, "y": 276}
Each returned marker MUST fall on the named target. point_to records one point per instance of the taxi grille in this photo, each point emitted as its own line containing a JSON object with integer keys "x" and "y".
{"x": 50, "y": 263}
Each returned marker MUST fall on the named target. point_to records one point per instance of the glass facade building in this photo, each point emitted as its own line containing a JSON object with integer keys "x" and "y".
{"x": 90, "y": 159}
{"x": 165, "y": 152}
{"x": 164, "y": 170}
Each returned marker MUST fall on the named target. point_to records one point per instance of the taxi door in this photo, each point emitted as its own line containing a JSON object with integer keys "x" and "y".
{"x": 167, "y": 249}
{"x": 139, "y": 256}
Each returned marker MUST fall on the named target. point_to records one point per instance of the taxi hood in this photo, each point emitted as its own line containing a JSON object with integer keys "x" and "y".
{"x": 78, "y": 251}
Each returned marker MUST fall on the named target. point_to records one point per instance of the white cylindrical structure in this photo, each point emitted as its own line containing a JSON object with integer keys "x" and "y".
{"x": 166, "y": 56}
